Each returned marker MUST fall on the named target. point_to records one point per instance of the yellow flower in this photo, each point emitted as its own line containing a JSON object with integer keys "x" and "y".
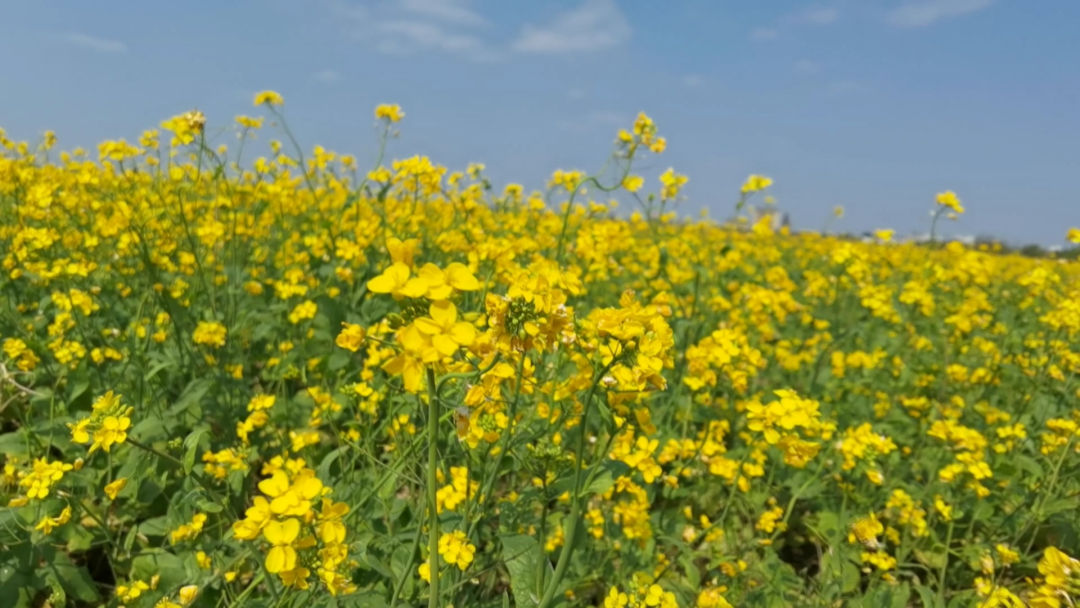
{"x": 113, "y": 430}
{"x": 268, "y": 97}
{"x": 392, "y": 113}
{"x": 209, "y": 334}
{"x": 330, "y": 528}
{"x": 303, "y": 311}
{"x": 281, "y": 534}
{"x": 456, "y": 549}
{"x": 188, "y": 593}
{"x": 756, "y": 183}
{"x": 1073, "y": 236}
{"x": 112, "y": 489}
{"x": 396, "y": 281}
{"x": 351, "y": 338}
{"x": 203, "y": 560}
{"x": 633, "y": 183}
{"x": 949, "y": 200}
{"x": 444, "y": 330}
{"x": 884, "y": 235}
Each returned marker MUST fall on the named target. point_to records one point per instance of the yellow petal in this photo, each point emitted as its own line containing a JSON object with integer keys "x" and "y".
{"x": 416, "y": 287}
{"x": 463, "y": 333}
{"x": 428, "y": 326}
{"x": 280, "y": 559}
{"x": 432, "y": 275}
{"x": 309, "y": 487}
{"x": 413, "y": 376}
{"x": 390, "y": 279}
{"x": 444, "y": 344}
{"x": 441, "y": 292}
{"x": 460, "y": 278}
{"x": 276, "y": 485}
{"x": 413, "y": 339}
{"x": 444, "y": 313}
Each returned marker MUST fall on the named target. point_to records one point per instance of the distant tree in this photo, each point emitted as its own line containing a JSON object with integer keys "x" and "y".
{"x": 1033, "y": 251}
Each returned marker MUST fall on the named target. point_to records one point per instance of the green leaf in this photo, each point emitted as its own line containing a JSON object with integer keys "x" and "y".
{"x": 851, "y": 576}
{"x": 78, "y": 386}
{"x": 14, "y": 444}
{"x": 157, "y": 526}
{"x": 369, "y": 599}
{"x": 16, "y": 587}
{"x": 962, "y": 599}
{"x": 401, "y": 561}
{"x": 927, "y": 596}
{"x": 73, "y": 580}
{"x": 378, "y": 565}
{"x": 828, "y": 522}
{"x": 209, "y": 506}
{"x": 191, "y": 446}
{"x": 604, "y": 480}
{"x": 1030, "y": 465}
{"x": 933, "y": 559}
{"x": 1057, "y": 506}
{"x": 523, "y": 557}
{"x": 900, "y": 595}
{"x": 189, "y": 401}
{"x": 328, "y": 461}
{"x": 150, "y": 430}
{"x": 167, "y": 565}
{"x": 337, "y": 361}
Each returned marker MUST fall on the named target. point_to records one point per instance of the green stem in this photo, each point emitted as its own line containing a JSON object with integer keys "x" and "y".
{"x": 408, "y": 571}
{"x": 945, "y": 565}
{"x": 433, "y": 457}
{"x": 575, "y": 498}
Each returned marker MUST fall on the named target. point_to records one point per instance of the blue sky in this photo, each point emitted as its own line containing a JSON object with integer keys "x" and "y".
{"x": 875, "y": 105}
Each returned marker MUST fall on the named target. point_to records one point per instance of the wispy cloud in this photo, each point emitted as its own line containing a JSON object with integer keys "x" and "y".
{"x": 409, "y": 36}
{"x": 928, "y": 12}
{"x": 415, "y": 26}
{"x": 764, "y": 34}
{"x": 805, "y": 67}
{"x": 595, "y": 25}
{"x": 693, "y": 81}
{"x": 450, "y": 11}
{"x": 326, "y": 76}
{"x": 93, "y": 43}
{"x": 815, "y": 15}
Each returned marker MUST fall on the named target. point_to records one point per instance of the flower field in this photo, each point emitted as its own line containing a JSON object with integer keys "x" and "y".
{"x": 288, "y": 381}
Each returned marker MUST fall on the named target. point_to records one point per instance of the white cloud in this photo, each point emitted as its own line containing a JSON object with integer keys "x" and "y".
{"x": 419, "y": 35}
{"x": 414, "y": 26}
{"x": 326, "y": 76}
{"x": 406, "y": 37}
{"x": 929, "y": 12}
{"x": 595, "y": 25}
{"x": 93, "y": 43}
{"x": 821, "y": 15}
{"x": 805, "y": 67}
{"x": 814, "y": 15}
{"x": 762, "y": 34}
{"x": 693, "y": 80}
{"x": 450, "y": 11}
